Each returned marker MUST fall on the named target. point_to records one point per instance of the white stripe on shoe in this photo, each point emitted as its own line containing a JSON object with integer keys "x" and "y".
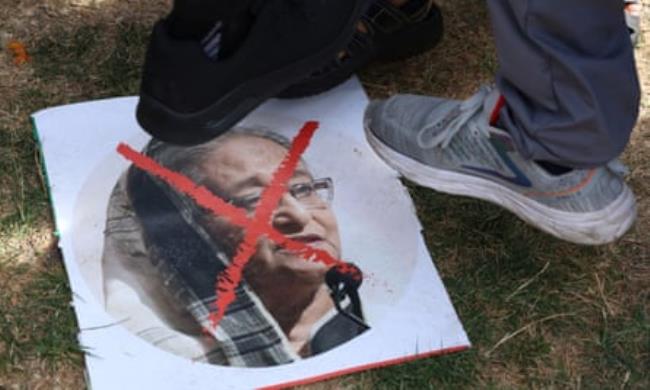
{"x": 212, "y": 41}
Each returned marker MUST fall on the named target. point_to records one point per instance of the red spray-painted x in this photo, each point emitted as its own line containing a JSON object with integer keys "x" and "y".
{"x": 256, "y": 227}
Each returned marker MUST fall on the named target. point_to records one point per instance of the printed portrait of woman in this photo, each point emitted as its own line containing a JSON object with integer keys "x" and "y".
{"x": 162, "y": 255}
{"x": 280, "y": 253}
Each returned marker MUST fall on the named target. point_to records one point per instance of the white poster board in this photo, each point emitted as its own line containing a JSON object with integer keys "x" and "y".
{"x": 404, "y": 303}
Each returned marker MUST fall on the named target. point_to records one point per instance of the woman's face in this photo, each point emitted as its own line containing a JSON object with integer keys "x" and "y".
{"x": 239, "y": 169}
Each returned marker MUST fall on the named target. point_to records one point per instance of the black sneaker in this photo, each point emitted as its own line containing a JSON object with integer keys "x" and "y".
{"x": 390, "y": 33}
{"x": 187, "y": 98}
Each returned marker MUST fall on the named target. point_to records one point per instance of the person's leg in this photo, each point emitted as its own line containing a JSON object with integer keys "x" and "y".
{"x": 568, "y": 77}
{"x": 571, "y": 97}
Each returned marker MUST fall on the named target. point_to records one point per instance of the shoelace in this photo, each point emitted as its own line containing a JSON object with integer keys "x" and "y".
{"x": 442, "y": 132}
{"x": 618, "y": 168}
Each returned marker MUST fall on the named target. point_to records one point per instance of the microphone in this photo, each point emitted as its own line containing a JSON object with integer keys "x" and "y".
{"x": 344, "y": 279}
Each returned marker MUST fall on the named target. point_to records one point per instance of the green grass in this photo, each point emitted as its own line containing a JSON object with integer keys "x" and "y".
{"x": 37, "y": 322}
{"x": 508, "y": 279}
{"x": 540, "y": 313}
{"x": 623, "y": 346}
{"x": 101, "y": 60}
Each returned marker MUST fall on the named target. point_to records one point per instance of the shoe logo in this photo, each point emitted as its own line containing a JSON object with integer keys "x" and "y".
{"x": 518, "y": 179}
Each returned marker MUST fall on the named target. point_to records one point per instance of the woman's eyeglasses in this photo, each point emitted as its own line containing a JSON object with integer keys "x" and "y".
{"x": 316, "y": 193}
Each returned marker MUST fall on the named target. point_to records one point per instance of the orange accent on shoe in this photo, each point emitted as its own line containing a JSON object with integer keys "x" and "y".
{"x": 569, "y": 191}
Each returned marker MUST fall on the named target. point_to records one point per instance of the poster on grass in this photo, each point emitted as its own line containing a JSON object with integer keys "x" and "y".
{"x": 283, "y": 252}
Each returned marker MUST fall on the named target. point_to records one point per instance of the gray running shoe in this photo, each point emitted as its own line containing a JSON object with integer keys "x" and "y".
{"x": 449, "y": 146}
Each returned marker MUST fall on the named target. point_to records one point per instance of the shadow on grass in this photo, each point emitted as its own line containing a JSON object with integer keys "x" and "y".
{"x": 531, "y": 305}
{"x": 37, "y": 322}
{"x": 102, "y": 60}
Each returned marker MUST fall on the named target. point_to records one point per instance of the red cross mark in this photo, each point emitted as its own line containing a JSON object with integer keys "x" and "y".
{"x": 254, "y": 228}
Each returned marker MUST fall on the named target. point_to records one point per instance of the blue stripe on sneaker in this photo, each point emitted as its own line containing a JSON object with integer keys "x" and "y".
{"x": 518, "y": 179}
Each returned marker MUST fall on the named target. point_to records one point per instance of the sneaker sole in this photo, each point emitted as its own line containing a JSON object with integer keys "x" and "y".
{"x": 591, "y": 228}
{"x": 180, "y": 128}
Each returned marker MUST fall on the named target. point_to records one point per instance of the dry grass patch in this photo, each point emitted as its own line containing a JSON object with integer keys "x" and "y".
{"x": 39, "y": 375}
{"x": 541, "y": 313}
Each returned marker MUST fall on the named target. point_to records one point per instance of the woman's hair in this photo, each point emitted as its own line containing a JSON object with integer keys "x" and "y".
{"x": 188, "y": 259}
{"x": 173, "y": 224}
{"x": 188, "y": 160}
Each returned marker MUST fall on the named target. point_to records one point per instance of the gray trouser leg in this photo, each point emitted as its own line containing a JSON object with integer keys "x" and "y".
{"x": 568, "y": 76}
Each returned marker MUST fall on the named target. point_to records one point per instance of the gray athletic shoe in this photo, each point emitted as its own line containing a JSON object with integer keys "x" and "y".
{"x": 449, "y": 146}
